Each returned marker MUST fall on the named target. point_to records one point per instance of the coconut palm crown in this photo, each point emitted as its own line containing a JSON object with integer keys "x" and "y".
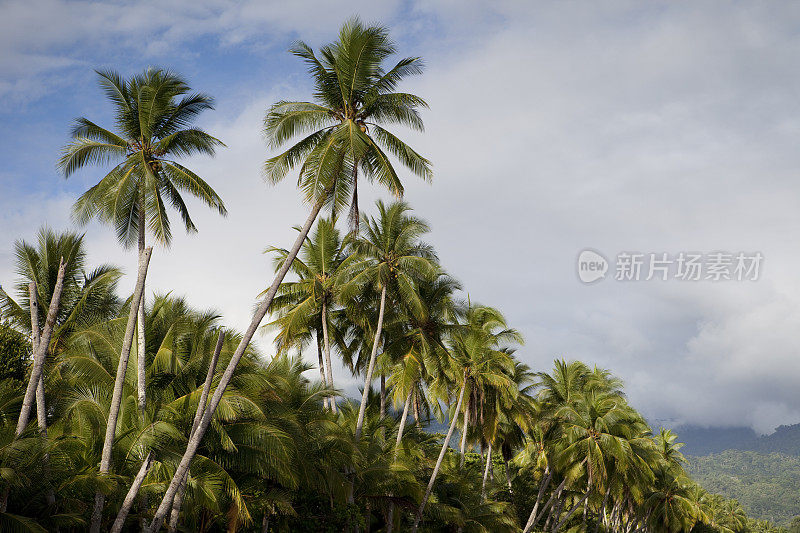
{"x": 153, "y": 113}
{"x": 343, "y": 127}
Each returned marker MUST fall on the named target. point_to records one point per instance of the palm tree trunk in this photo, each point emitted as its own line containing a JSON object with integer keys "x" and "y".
{"x": 265, "y": 523}
{"x": 464, "y": 429}
{"x": 371, "y": 366}
{"x": 194, "y": 441}
{"x": 445, "y": 444}
{"x": 322, "y": 372}
{"x": 551, "y": 503}
{"x": 116, "y": 398}
{"x": 41, "y": 410}
{"x": 602, "y": 516}
{"x": 390, "y": 517}
{"x": 486, "y": 471}
{"x": 141, "y": 345}
{"x": 41, "y": 407}
{"x": 533, "y": 518}
{"x": 383, "y": 395}
{"x": 201, "y": 405}
{"x": 41, "y": 351}
{"x": 417, "y": 413}
{"x": 508, "y": 477}
{"x": 327, "y": 340}
{"x": 402, "y": 424}
{"x": 574, "y": 508}
{"x": 132, "y": 492}
{"x": 588, "y": 491}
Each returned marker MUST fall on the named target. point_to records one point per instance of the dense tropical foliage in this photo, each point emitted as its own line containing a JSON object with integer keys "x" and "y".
{"x": 231, "y": 438}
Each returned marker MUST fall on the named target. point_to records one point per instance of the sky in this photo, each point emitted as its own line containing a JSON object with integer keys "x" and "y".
{"x": 553, "y": 127}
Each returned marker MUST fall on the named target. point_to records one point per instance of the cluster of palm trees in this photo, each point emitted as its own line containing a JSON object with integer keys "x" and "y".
{"x": 150, "y": 414}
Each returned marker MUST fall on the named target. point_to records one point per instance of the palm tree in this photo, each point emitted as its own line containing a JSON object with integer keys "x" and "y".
{"x": 354, "y": 98}
{"x": 477, "y": 362}
{"x": 391, "y": 259}
{"x": 357, "y": 95}
{"x": 153, "y": 113}
{"x": 420, "y": 353}
{"x": 478, "y": 348}
{"x": 85, "y": 296}
{"x": 306, "y": 304}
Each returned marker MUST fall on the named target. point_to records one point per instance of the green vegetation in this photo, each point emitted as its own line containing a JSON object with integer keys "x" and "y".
{"x": 767, "y": 485}
{"x": 194, "y": 430}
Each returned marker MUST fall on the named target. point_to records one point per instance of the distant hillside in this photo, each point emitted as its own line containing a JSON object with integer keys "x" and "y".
{"x": 767, "y": 485}
{"x": 703, "y": 441}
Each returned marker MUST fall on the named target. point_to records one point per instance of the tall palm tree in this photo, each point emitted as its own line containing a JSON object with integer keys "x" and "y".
{"x": 354, "y": 99}
{"x": 305, "y": 305}
{"x": 355, "y": 96}
{"x": 391, "y": 259}
{"x": 153, "y": 113}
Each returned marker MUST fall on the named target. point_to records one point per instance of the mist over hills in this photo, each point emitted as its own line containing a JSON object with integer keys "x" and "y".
{"x": 700, "y": 441}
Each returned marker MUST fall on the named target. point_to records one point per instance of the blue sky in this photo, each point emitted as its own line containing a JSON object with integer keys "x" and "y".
{"x": 553, "y": 127}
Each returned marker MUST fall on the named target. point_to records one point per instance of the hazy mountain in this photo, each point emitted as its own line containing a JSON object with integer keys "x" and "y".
{"x": 701, "y": 441}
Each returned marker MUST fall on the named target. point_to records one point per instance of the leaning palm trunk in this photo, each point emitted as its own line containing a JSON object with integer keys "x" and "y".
{"x": 119, "y": 382}
{"x": 327, "y": 341}
{"x": 486, "y": 471}
{"x": 41, "y": 351}
{"x": 198, "y": 414}
{"x": 205, "y": 421}
{"x": 445, "y": 444}
{"x": 547, "y": 476}
{"x": 574, "y": 508}
{"x": 132, "y": 492}
{"x": 371, "y": 366}
{"x": 141, "y": 344}
{"x": 402, "y": 426}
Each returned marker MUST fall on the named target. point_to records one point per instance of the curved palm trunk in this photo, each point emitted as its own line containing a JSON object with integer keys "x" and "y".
{"x": 41, "y": 351}
{"x": 201, "y": 405}
{"x": 116, "y": 398}
{"x": 132, "y": 492}
{"x": 486, "y": 471}
{"x": 445, "y": 444}
{"x": 371, "y": 366}
{"x": 194, "y": 441}
{"x": 464, "y": 429}
{"x": 141, "y": 346}
{"x": 327, "y": 341}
